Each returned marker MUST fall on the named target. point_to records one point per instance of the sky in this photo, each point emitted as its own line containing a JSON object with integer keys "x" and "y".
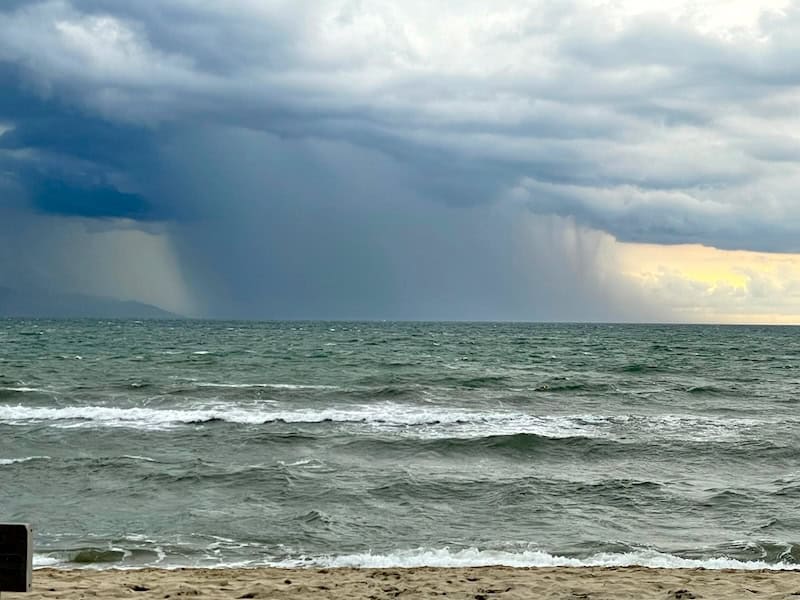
{"x": 580, "y": 160}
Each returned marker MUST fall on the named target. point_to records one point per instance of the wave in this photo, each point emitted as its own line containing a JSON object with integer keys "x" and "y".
{"x": 70, "y": 462}
{"x": 484, "y": 381}
{"x": 114, "y": 557}
{"x": 474, "y": 557}
{"x": 273, "y": 386}
{"x": 524, "y": 446}
{"x": 402, "y": 419}
{"x": 567, "y": 385}
{"x": 641, "y": 368}
{"x": 709, "y": 390}
{"x": 17, "y": 390}
{"x": 99, "y": 558}
{"x": 386, "y": 415}
{"x": 45, "y": 560}
{"x": 11, "y": 461}
{"x": 792, "y": 491}
{"x": 136, "y": 457}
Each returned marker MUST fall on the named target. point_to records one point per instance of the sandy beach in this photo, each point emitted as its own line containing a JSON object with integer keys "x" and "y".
{"x": 483, "y": 583}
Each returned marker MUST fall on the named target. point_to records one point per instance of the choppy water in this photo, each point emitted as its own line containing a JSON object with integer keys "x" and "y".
{"x": 210, "y": 443}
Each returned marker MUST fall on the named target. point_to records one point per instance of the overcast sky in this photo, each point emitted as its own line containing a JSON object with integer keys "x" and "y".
{"x": 525, "y": 160}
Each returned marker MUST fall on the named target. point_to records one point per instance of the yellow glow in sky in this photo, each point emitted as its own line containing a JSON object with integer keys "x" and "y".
{"x": 704, "y": 284}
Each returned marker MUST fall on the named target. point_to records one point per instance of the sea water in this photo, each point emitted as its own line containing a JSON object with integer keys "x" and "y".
{"x": 181, "y": 443}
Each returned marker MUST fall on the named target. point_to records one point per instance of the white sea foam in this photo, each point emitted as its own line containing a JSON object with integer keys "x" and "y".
{"x": 25, "y": 389}
{"x": 430, "y": 422}
{"x": 473, "y": 557}
{"x": 441, "y": 557}
{"x": 380, "y": 416}
{"x": 44, "y": 560}
{"x": 11, "y": 461}
{"x": 274, "y": 386}
{"x": 433, "y": 421}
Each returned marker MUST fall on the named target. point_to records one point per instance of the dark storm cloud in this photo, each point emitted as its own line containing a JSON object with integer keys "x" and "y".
{"x": 60, "y": 198}
{"x": 367, "y": 147}
{"x": 64, "y": 158}
{"x": 667, "y": 216}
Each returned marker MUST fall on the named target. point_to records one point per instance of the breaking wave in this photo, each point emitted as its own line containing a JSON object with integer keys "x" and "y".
{"x": 426, "y": 422}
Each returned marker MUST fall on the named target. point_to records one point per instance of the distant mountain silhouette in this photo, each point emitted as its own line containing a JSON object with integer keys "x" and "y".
{"x": 43, "y": 304}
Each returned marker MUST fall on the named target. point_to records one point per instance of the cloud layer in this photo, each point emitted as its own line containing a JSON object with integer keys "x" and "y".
{"x": 406, "y": 160}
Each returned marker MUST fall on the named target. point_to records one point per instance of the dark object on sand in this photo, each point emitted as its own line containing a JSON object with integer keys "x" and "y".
{"x": 16, "y": 557}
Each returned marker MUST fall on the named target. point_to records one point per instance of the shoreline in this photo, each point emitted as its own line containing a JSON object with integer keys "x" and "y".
{"x": 477, "y": 583}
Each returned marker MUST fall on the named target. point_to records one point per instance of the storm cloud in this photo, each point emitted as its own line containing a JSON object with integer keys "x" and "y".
{"x": 367, "y": 159}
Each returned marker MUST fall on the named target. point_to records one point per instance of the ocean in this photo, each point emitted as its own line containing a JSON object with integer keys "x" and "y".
{"x": 192, "y": 443}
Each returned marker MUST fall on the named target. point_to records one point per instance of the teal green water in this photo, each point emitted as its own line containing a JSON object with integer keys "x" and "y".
{"x": 210, "y": 443}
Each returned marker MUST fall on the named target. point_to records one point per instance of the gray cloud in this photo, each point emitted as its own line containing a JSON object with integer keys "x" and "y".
{"x": 369, "y": 158}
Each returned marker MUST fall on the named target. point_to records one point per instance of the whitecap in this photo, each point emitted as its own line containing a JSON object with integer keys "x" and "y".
{"x": 473, "y": 557}
{"x": 276, "y": 386}
{"x": 11, "y": 461}
{"x": 44, "y": 560}
{"x": 428, "y": 422}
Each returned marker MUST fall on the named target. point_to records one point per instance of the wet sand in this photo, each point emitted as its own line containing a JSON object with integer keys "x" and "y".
{"x": 482, "y": 583}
